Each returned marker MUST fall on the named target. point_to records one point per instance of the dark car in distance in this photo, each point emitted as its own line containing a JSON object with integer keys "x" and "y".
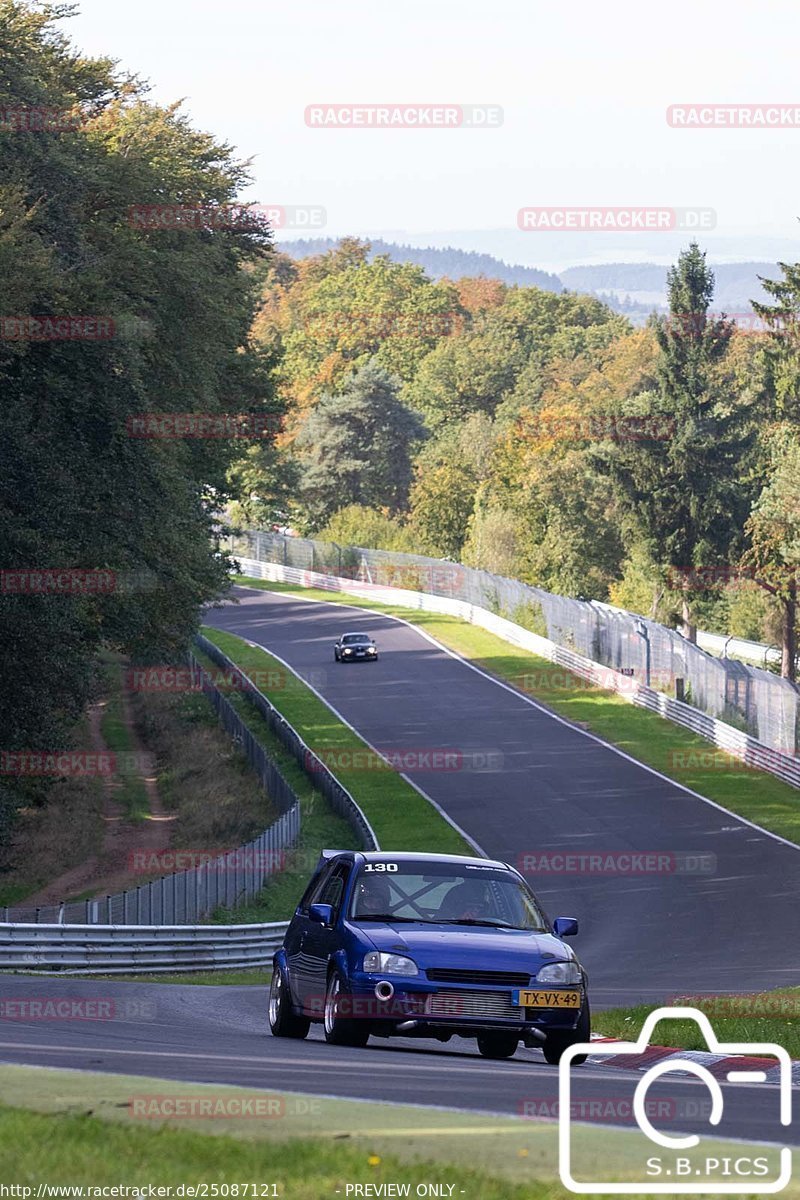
{"x": 355, "y": 647}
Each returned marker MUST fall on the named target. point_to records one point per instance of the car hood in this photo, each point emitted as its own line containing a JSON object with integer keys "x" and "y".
{"x": 474, "y": 946}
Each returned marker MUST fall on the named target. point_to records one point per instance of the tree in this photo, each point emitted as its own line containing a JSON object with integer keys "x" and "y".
{"x": 773, "y": 527}
{"x": 355, "y": 448}
{"x": 76, "y": 490}
{"x": 683, "y": 484}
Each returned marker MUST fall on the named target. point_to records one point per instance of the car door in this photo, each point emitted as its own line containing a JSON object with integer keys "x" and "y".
{"x": 297, "y": 937}
{"x": 322, "y": 941}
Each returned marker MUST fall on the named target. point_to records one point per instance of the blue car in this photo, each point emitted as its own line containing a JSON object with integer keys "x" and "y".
{"x": 428, "y": 945}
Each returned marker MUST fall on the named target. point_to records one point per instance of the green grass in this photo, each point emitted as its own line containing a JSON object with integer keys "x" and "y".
{"x": 320, "y": 827}
{"x": 757, "y": 1017}
{"x": 677, "y": 753}
{"x": 400, "y": 816}
{"x": 76, "y": 1127}
{"x": 130, "y": 792}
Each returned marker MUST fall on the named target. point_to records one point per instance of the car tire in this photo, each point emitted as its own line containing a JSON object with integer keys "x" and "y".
{"x": 341, "y": 1031}
{"x": 282, "y": 1021}
{"x": 498, "y": 1045}
{"x": 557, "y": 1043}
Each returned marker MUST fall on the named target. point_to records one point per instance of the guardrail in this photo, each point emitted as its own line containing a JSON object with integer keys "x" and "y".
{"x": 733, "y": 741}
{"x": 337, "y": 796}
{"x": 146, "y": 949}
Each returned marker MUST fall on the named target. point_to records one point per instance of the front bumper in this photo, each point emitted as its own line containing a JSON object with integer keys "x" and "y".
{"x": 455, "y": 1007}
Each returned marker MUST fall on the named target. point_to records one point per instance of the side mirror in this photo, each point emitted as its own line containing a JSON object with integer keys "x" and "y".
{"x": 321, "y": 914}
{"x": 562, "y": 926}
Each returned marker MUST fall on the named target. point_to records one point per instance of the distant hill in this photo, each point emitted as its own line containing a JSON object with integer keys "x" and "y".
{"x": 635, "y": 289}
{"x": 437, "y": 262}
{"x": 737, "y": 284}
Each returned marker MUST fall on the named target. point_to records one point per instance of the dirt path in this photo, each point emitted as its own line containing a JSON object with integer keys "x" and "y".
{"x": 111, "y": 869}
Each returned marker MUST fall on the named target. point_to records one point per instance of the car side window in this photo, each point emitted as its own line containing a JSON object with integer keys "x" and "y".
{"x": 312, "y": 892}
{"x": 331, "y": 887}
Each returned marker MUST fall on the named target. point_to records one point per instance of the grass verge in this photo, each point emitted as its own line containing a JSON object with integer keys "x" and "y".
{"x": 675, "y": 752}
{"x": 320, "y": 827}
{"x": 129, "y": 789}
{"x": 400, "y": 816}
{"x": 758, "y": 1017}
{"x": 82, "y": 1128}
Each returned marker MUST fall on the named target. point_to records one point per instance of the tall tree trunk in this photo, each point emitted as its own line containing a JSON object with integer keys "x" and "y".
{"x": 789, "y": 638}
{"x": 689, "y": 629}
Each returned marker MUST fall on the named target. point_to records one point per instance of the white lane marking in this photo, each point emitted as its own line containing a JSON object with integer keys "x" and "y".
{"x": 451, "y": 1062}
{"x": 548, "y": 712}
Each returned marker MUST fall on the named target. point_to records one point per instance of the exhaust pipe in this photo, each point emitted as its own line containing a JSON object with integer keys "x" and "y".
{"x": 384, "y": 990}
{"x": 533, "y": 1038}
{"x": 404, "y": 1026}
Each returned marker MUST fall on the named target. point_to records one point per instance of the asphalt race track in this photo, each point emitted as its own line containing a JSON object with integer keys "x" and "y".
{"x": 219, "y": 1035}
{"x": 731, "y": 927}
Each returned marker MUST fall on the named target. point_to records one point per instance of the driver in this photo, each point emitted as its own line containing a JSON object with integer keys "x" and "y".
{"x": 373, "y": 896}
{"x": 467, "y": 901}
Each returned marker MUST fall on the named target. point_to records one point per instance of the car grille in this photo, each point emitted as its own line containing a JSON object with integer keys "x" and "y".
{"x": 502, "y": 978}
{"x": 460, "y": 1005}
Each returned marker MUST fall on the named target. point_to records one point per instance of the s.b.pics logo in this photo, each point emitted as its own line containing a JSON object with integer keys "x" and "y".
{"x": 682, "y": 1159}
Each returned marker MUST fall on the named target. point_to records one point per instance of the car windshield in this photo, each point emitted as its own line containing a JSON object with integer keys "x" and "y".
{"x": 444, "y": 894}
{"x": 355, "y": 639}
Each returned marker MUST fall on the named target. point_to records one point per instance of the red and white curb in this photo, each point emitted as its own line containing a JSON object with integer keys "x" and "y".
{"x": 719, "y": 1065}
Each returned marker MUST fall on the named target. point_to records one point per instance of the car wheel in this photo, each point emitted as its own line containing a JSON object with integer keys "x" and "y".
{"x": 498, "y": 1045}
{"x": 282, "y": 1021}
{"x": 557, "y": 1043}
{"x": 336, "y": 656}
{"x": 340, "y": 1031}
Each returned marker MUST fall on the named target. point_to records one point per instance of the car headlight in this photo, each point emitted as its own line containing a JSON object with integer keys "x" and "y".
{"x": 371, "y": 650}
{"x": 560, "y": 972}
{"x": 376, "y": 962}
{"x": 347, "y": 652}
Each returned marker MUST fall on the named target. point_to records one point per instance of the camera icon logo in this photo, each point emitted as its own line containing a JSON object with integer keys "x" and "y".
{"x": 700, "y": 1171}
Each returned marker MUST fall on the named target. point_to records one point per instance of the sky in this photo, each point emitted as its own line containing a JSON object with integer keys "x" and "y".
{"x": 584, "y": 90}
